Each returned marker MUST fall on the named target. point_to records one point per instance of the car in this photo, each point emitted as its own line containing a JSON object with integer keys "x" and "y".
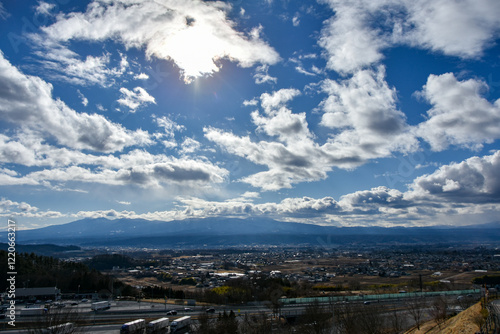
{"x": 85, "y": 300}
{"x": 188, "y": 309}
{"x": 210, "y": 310}
{"x": 172, "y": 312}
{"x": 74, "y": 303}
{"x": 366, "y": 303}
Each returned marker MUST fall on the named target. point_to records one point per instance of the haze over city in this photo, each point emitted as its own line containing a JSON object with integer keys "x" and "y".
{"x": 368, "y": 113}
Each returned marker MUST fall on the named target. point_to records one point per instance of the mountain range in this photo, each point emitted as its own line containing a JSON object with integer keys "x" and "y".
{"x": 228, "y": 232}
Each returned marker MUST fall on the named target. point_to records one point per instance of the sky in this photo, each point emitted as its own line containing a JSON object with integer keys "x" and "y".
{"x": 330, "y": 112}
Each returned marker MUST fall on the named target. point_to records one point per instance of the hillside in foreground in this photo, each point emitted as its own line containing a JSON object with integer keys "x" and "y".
{"x": 464, "y": 323}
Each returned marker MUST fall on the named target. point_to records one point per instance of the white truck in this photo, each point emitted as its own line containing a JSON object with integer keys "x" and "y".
{"x": 157, "y": 326}
{"x": 32, "y": 311}
{"x": 66, "y": 328}
{"x": 179, "y": 324}
{"x": 97, "y": 306}
{"x": 134, "y": 327}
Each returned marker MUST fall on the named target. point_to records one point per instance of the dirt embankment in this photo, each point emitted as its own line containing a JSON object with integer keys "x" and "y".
{"x": 465, "y": 322}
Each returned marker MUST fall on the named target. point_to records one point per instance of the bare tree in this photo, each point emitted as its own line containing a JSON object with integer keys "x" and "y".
{"x": 416, "y": 309}
{"x": 370, "y": 320}
{"x": 346, "y": 318}
{"x": 316, "y": 319}
{"x": 396, "y": 321}
{"x": 256, "y": 324}
{"x": 439, "y": 310}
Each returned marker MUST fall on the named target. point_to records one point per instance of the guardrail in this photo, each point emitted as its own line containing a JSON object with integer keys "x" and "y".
{"x": 387, "y": 296}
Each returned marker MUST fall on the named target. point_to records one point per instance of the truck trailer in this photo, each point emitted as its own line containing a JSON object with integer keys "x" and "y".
{"x": 180, "y": 324}
{"x": 66, "y": 328}
{"x": 32, "y": 311}
{"x": 97, "y": 306}
{"x": 134, "y": 327}
{"x": 157, "y": 326}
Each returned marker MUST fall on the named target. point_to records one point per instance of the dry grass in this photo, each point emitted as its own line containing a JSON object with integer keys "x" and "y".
{"x": 463, "y": 323}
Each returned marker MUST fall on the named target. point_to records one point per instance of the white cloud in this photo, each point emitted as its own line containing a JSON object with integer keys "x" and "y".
{"x": 253, "y": 102}
{"x": 27, "y": 102}
{"x": 190, "y": 173}
{"x": 189, "y": 145}
{"x": 449, "y": 195}
{"x": 170, "y": 127}
{"x": 350, "y": 43}
{"x": 63, "y": 64}
{"x": 372, "y": 128}
{"x": 459, "y": 115}
{"x": 193, "y": 34}
{"x": 85, "y": 101}
{"x": 277, "y": 99}
{"x": 14, "y": 209}
{"x": 44, "y": 8}
{"x": 141, "y": 76}
{"x": 456, "y": 28}
{"x": 363, "y": 109}
{"x": 356, "y": 35}
{"x": 136, "y": 98}
{"x": 3, "y": 13}
{"x": 475, "y": 180}
{"x": 261, "y": 76}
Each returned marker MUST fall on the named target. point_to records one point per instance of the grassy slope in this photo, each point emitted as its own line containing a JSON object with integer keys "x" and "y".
{"x": 463, "y": 323}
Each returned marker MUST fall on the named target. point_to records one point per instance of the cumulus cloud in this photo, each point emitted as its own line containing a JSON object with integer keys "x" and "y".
{"x": 459, "y": 114}
{"x": 136, "y": 98}
{"x": 358, "y": 32}
{"x": 451, "y": 192}
{"x": 194, "y": 34}
{"x": 363, "y": 109}
{"x": 475, "y": 180}
{"x": 292, "y": 158}
{"x": 62, "y": 166}
{"x": 10, "y": 208}
{"x": 27, "y": 102}
{"x": 150, "y": 172}
{"x": 141, "y": 76}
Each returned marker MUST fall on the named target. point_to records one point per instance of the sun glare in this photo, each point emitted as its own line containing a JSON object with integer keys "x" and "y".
{"x": 195, "y": 50}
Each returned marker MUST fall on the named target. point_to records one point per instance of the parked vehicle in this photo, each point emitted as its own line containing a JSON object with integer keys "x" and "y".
{"x": 179, "y": 324}
{"x": 97, "y": 306}
{"x": 157, "y": 326}
{"x": 134, "y": 327}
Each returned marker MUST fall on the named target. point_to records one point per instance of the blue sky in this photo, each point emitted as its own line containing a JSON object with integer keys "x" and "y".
{"x": 326, "y": 112}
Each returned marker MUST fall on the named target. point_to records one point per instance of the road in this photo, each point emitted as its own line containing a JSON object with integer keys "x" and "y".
{"x": 110, "y": 321}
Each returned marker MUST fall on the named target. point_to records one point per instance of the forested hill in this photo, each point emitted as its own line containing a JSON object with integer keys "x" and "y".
{"x": 44, "y": 271}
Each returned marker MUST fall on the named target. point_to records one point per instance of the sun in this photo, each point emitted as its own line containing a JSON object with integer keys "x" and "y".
{"x": 195, "y": 50}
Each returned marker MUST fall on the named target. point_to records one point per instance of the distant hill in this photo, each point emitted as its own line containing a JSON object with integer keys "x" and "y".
{"x": 42, "y": 249}
{"x": 220, "y": 232}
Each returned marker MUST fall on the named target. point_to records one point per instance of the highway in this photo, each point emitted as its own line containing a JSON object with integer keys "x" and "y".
{"x": 110, "y": 321}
